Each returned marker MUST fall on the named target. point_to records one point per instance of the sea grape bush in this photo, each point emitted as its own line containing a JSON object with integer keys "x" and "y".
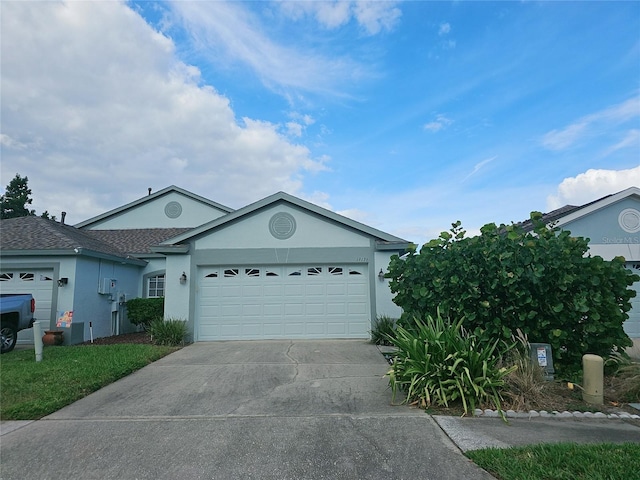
{"x": 541, "y": 282}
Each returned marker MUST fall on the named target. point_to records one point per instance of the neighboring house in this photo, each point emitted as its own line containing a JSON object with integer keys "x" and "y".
{"x": 278, "y": 268}
{"x": 612, "y": 225}
{"x": 60, "y": 266}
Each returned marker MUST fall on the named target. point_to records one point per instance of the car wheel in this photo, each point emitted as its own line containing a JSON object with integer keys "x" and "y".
{"x": 9, "y": 336}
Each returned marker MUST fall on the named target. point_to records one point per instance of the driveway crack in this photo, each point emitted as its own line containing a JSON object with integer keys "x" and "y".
{"x": 295, "y": 362}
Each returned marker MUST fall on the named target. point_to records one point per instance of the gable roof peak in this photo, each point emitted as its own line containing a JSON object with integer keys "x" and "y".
{"x": 150, "y": 197}
{"x": 293, "y": 200}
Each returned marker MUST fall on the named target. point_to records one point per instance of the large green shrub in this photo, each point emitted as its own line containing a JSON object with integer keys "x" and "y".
{"x": 439, "y": 362}
{"x": 143, "y": 311}
{"x": 504, "y": 279}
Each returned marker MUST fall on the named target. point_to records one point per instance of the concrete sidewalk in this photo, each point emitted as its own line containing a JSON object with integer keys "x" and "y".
{"x": 228, "y": 410}
{"x": 471, "y": 433}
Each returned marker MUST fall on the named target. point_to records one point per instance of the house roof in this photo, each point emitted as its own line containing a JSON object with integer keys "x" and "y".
{"x": 569, "y": 213}
{"x": 36, "y": 235}
{"x": 136, "y": 241}
{"x": 550, "y": 217}
{"x": 151, "y": 197}
{"x": 379, "y": 235}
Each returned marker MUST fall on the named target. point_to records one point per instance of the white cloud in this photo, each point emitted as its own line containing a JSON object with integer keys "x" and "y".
{"x": 631, "y": 139}
{"x": 294, "y": 129}
{"x": 229, "y": 32}
{"x": 303, "y": 118}
{"x": 438, "y": 124}
{"x": 444, "y": 29}
{"x": 372, "y": 17}
{"x": 376, "y": 16}
{"x": 561, "y": 139}
{"x": 96, "y": 108}
{"x": 592, "y": 185}
{"x": 297, "y": 127}
{"x": 11, "y": 143}
{"x": 478, "y": 166}
{"x": 357, "y": 215}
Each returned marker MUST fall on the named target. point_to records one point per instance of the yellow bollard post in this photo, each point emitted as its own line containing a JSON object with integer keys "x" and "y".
{"x": 593, "y": 373}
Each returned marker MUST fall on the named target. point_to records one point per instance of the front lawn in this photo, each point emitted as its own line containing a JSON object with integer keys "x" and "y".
{"x": 561, "y": 461}
{"x": 29, "y": 390}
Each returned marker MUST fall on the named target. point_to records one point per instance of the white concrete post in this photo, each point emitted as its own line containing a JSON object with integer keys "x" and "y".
{"x": 37, "y": 340}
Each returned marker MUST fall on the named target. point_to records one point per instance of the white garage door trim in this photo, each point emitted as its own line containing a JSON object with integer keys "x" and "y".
{"x": 37, "y": 282}
{"x": 276, "y": 301}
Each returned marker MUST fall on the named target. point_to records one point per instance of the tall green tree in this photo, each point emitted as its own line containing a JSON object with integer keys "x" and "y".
{"x": 17, "y": 196}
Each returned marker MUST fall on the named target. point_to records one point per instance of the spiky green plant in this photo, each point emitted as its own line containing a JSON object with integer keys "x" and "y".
{"x": 171, "y": 332}
{"x": 383, "y": 330}
{"x": 438, "y": 363}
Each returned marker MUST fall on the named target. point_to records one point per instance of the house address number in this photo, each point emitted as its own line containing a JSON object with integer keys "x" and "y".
{"x": 362, "y": 259}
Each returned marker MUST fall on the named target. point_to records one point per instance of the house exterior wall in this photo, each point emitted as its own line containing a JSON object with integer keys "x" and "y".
{"x": 80, "y": 294}
{"x": 45, "y": 314}
{"x": 254, "y": 232}
{"x": 383, "y": 295}
{"x": 155, "y": 266}
{"x": 161, "y": 213}
{"x": 607, "y": 238}
{"x": 105, "y": 311}
{"x": 250, "y": 241}
{"x": 177, "y": 295}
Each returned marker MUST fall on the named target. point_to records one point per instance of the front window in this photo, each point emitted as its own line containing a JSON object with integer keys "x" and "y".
{"x": 156, "y": 286}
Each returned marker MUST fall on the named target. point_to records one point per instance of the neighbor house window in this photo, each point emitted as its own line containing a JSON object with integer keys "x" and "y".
{"x": 156, "y": 286}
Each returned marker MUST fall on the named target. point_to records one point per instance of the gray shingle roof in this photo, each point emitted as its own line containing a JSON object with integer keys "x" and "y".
{"x": 37, "y": 233}
{"x": 550, "y": 217}
{"x": 557, "y": 214}
{"x": 136, "y": 241}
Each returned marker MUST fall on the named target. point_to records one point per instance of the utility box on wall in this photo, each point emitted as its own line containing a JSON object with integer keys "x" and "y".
{"x": 107, "y": 286}
{"x": 541, "y": 355}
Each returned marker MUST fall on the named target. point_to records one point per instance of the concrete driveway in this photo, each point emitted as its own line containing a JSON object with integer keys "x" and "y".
{"x": 241, "y": 410}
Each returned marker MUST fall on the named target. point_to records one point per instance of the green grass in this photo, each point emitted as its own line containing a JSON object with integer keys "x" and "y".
{"x": 562, "y": 461}
{"x": 30, "y": 390}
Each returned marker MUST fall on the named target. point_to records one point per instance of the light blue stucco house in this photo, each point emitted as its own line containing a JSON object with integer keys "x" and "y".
{"x": 278, "y": 268}
{"x": 612, "y": 225}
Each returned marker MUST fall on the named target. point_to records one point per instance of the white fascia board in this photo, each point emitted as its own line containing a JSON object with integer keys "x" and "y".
{"x": 72, "y": 252}
{"x": 170, "y": 249}
{"x": 605, "y": 202}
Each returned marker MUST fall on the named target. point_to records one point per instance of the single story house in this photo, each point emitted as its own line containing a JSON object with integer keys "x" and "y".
{"x": 612, "y": 225}
{"x": 279, "y": 268}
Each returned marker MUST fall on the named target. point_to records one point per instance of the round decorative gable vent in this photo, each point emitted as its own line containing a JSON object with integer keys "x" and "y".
{"x": 629, "y": 220}
{"x": 173, "y": 210}
{"x": 282, "y": 225}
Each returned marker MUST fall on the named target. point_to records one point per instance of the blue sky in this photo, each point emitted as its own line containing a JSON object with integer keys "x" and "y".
{"x": 406, "y": 116}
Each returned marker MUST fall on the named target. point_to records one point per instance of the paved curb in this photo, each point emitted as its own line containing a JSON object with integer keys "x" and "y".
{"x": 554, "y": 414}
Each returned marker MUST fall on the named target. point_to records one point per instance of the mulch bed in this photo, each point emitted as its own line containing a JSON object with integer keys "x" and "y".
{"x": 139, "y": 337}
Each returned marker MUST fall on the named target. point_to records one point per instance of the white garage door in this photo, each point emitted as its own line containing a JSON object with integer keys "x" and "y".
{"x": 632, "y": 325}
{"x": 303, "y": 301}
{"x": 38, "y": 283}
